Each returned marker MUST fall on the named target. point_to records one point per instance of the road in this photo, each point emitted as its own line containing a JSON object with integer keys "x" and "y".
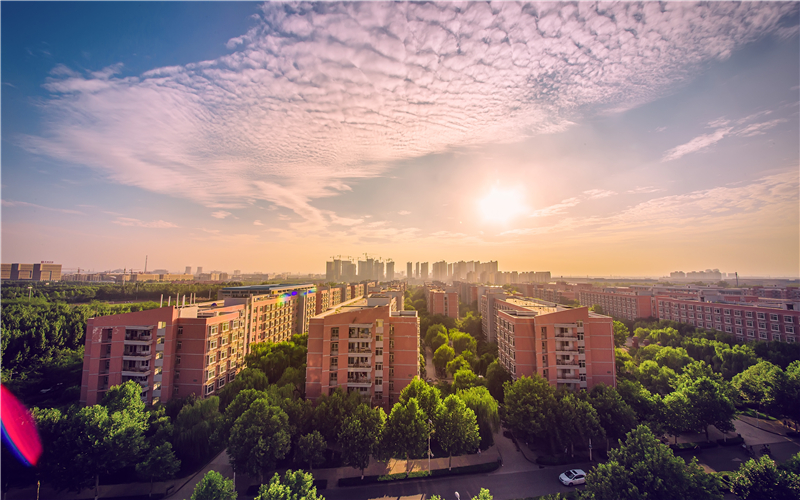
{"x": 504, "y": 486}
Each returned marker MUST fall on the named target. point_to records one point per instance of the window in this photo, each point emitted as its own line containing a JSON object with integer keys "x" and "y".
{"x": 334, "y": 347}
{"x": 738, "y": 331}
{"x": 212, "y": 344}
{"x": 776, "y": 337}
{"x": 762, "y": 325}
{"x": 209, "y": 389}
{"x": 708, "y": 309}
{"x": 391, "y": 357}
{"x": 749, "y": 323}
{"x": 379, "y": 351}
{"x": 220, "y": 383}
{"x": 580, "y": 335}
{"x": 212, "y": 330}
{"x": 738, "y": 321}
{"x": 582, "y": 363}
{"x": 334, "y": 377}
{"x": 727, "y": 312}
{"x": 762, "y": 335}
{"x": 158, "y": 370}
{"x": 761, "y": 316}
{"x": 775, "y": 328}
{"x": 544, "y": 332}
{"x": 378, "y": 366}
{"x": 581, "y": 350}
{"x": 748, "y": 314}
{"x": 334, "y": 363}
{"x": 180, "y": 344}
{"x": 160, "y": 355}
{"x": 226, "y": 326}
{"x": 751, "y": 333}
{"x": 737, "y": 313}
{"x": 334, "y": 333}
{"x": 773, "y": 317}
{"x": 177, "y": 360}
{"x": 789, "y": 329}
{"x": 728, "y": 329}
{"x": 378, "y": 381}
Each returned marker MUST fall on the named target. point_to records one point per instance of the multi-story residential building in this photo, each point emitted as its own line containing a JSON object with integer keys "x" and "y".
{"x": 170, "y": 351}
{"x": 444, "y": 302}
{"x": 276, "y": 312}
{"x": 43, "y": 271}
{"x": 767, "y": 320}
{"x": 620, "y": 302}
{"x": 390, "y": 270}
{"x": 488, "y": 309}
{"x": 572, "y": 348}
{"x": 423, "y": 271}
{"x": 409, "y": 270}
{"x": 364, "y": 345}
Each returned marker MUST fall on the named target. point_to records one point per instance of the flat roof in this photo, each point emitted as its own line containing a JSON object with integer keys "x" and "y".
{"x": 268, "y": 288}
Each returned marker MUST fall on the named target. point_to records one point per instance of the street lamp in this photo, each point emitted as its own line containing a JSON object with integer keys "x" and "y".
{"x": 30, "y": 291}
{"x": 430, "y": 431}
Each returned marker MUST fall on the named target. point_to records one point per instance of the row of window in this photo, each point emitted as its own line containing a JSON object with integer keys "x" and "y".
{"x": 727, "y": 312}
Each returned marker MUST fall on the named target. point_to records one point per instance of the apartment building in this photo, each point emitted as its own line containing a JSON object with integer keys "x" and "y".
{"x": 488, "y": 308}
{"x": 620, "y": 302}
{"x": 170, "y": 351}
{"x": 43, "y": 271}
{"x": 776, "y": 320}
{"x": 568, "y": 347}
{"x": 364, "y": 345}
{"x": 444, "y": 302}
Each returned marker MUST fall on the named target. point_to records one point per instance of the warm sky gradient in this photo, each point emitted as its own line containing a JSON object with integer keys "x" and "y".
{"x": 627, "y": 139}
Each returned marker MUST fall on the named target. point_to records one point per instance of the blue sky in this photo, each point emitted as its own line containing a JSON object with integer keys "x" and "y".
{"x": 624, "y": 139}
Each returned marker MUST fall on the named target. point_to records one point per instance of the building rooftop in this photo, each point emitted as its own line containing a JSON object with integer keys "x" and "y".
{"x": 268, "y": 288}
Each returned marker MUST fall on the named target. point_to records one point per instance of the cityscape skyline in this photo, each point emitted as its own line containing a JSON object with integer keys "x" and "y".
{"x": 627, "y": 140}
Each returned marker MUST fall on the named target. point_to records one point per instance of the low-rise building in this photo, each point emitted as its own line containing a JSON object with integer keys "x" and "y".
{"x": 619, "y": 302}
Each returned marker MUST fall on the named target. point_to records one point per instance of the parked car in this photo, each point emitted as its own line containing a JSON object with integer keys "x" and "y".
{"x": 572, "y": 477}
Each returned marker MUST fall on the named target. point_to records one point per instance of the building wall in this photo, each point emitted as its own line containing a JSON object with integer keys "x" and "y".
{"x": 747, "y": 322}
{"x": 443, "y": 302}
{"x": 170, "y": 351}
{"x": 371, "y": 350}
{"x": 623, "y": 304}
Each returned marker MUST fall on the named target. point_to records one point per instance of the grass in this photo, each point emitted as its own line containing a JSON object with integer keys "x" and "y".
{"x": 469, "y": 469}
{"x": 752, "y": 413}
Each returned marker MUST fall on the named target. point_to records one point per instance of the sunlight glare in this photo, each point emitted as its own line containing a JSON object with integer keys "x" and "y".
{"x": 501, "y": 205}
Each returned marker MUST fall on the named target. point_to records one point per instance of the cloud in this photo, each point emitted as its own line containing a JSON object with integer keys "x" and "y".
{"x": 557, "y": 209}
{"x": 696, "y": 144}
{"x": 318, "y": 94}
{"x": 594, "y": 194}
{"x": 158, "y": 224}
{"x": 220, "y": 214}
{"x": 759, "y": 128}
{"x": 258, "y": 223}
{"x": 12, "y": 203}
{"x": 404, "y": 212}
{"x": 644, "y": 190}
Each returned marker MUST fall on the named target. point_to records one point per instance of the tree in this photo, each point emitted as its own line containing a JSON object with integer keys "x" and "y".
{"x": 754, "y": 384}
{"x": 644, "y": 468}
{"x": 616, "y": 416}
{"x": 463, "y": 342}
{"x": 360, "y": 435}
{"x": 496, "y": 377}
{"x": 674, "y": 358}
{"x": 193, "y": 430}
{"x": 458, "y": 363}
{"x": 621, "y": 333}
{"x": 236, "y": 408}
{"x": 763, "y": 480}
{"x": 433, "y": 331}
{"x": 259, "y": 438}
{"x": 709, "y": 404}
{"x": 214, "y": 486}
{"x": 480, "y": 401}
{"x": 159, "y": 464}
{"x": 331, "y": 412}
{"x": 428, "y": 397}
{"x": 248, "y": 378}
{"x": 657, "y": 378}
{"x": 466, "y": 378}
{"x": 577, "y": 421}
{"x": 311, "y": 449}
{"x": 406, "y": 431}
{"x": 273, "y": 359}
{"x": 296, "y": 485}
{"x": 484, "y": 494}
{"x": 439, "y": 340}
{"x": 442, "y": 356}
{"x": 456, "y": 428}
{"x": 529, "y": 403}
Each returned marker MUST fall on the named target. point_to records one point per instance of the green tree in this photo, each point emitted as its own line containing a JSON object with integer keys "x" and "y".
{"x": 428, "y": 397}
{"x": 360, "y": 436}
{"x": 194, "y": 427}
{"x": 442, "y": 356}
{"x": 296, "y": 485}
{"x": 529, "y": 403}
{"x": 158, "y": 465}
{"x": 259, "y": 438}
{"x": 274, "y": 358}
{"x": 674, "y": 358}
{"x": 458, "y": 363}
{"x": 311, "y": 449}
{"x": 456, "y": 428}
{"x": 754, "y": 385}
{"x": 465, "y": 378}
{"x": 621, "y": 333}
{"x": 644, "y": 468}
{"x": 406, "y": 431}
{"x": 616, "y": 417}
{"x": 656, "y": 378}
{"x": 236, "y": 408}
{"x": 248, "y": 378}
{"x": 480, "y": 401}
{"x": 331, "y": 411}
{"x": 709, "y": 404}
{"x": 214, "y": 486}
{"x": 462, "y": 342}
{"x": 577, "y": 422}
{"x": 763, "y": 480}
{"x": 496, "y": 377}
{"x": 484, "y": 494}
{"x": 433, "y": 331}
{"x": 439, "y": 340}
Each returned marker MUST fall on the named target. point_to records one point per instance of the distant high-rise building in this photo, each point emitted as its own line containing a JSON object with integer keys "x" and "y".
{"x": 417, "y": 273}
{"x": 424, "y": 271}
{"x": 188, "y": 270}
{"x": 440, "y": 271}
{"x": 237, "y": 272}
{"x": 199, "y": 269}
{"x": 409, "y": 270}
{"x": 349, "y": 271}
{"x": 390, "y": 270}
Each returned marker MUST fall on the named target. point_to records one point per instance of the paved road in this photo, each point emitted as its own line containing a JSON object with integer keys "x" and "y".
{"x": 504, "y": 486}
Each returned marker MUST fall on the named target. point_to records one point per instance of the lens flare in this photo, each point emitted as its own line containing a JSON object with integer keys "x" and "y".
{"x": 19, "y": 429}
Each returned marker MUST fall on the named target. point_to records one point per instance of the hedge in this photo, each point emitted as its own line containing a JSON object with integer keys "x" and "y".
{"x": 469, "y": 469}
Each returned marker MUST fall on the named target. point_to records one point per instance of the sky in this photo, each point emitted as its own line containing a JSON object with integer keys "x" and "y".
{"x": 583, "y": 139}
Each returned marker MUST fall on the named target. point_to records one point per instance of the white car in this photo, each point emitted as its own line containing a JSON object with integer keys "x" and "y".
{"x": 573, "y": 477}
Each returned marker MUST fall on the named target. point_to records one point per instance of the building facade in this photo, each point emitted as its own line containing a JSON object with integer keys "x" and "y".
{"x": 443, "y": 302}
{"x": 365, "y": 345}
{"x": 620, "y": 302}
{"x": 170, "y": 351}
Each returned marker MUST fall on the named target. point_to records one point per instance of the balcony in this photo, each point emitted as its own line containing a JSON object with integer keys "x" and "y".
{"x": 572, "y": 335}
{"x": 568, "y": 380}
{"x": 362, "y": 334}
{"x": 567, "y": 350}
{"x": 335, "y": 353}
{"x": 359, "y": 382}
{"x": 567, "y": 364}
{"x": 135, "y": 372}
{"x": 356, "y": 350}
{"x": 136, "y": 354}
{"x": 359, "y": 365}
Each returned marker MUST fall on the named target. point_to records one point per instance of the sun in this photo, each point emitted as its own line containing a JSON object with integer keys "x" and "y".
{"x": 502, "y": 205}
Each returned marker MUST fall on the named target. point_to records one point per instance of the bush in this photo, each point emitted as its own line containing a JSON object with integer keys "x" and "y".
{"x": 683, "y": 448}
{"x": 424, "y": 474}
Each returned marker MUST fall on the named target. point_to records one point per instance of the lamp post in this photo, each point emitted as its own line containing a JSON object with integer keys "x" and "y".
{"x": 430, "y": 431}
{"x": 30, "y": 291}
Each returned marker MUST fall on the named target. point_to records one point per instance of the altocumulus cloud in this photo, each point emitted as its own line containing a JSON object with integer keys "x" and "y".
{"x": 314, "y": 95}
